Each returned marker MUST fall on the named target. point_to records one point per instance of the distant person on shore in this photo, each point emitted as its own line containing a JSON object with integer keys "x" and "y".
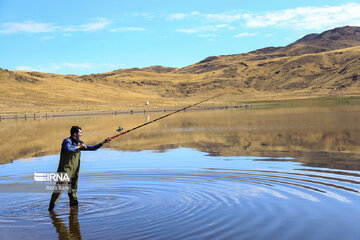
{"x": 70, "y": 163}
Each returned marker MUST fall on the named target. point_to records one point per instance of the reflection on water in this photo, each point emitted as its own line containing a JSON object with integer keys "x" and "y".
{"x": 186, "y": 194}
{"x": 321, "y": 137}
{"x": 233, "y": 174}
{"x": 64, "y": 232}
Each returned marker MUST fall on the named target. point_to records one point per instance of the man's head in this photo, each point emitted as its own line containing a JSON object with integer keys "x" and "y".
{"x": 75, "y": 132}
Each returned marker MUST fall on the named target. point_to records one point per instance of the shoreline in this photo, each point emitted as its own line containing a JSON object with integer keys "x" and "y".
{"x": 298, "y": 102}
{"x": 35, "y": 116}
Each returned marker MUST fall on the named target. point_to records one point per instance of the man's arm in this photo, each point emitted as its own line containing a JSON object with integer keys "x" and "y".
{"x": 95, "y": 147}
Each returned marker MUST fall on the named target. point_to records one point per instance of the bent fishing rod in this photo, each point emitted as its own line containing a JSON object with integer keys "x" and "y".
{"x": 157, "y": 119}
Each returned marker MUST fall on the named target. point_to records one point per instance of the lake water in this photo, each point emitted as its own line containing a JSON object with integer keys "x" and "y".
{"x": 286, "y": 173}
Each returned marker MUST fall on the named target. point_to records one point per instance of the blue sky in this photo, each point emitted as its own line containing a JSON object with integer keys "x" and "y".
{"x": 84, "y": 37}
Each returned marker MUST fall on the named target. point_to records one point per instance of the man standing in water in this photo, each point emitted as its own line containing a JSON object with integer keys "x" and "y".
{"x": 70, "y": 164}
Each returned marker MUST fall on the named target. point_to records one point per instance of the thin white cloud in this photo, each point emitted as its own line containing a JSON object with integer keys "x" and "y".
{"x": 223, "y": 17}
{"x": 307, "y": 17}
{"x": 216, "y": 17}
{"x": 38, "y": 27}
{"x": 244, "y": 34}
{"x": 70, "y": 66}
{"x": 28, "y": 27}
{"x": 128, "y": 29}
{"x": 25, "y": 68}
{"x": 195, "y": 13}
{"x": 208, "y": 35}
{"x": 304, "y": 18}
{"x": 177, "y": 16}
{"x": 77, "y": 65}
{"x": 99, "y": 24}
{"x": 203, "y": 29}
{"x": 144, "y": 15}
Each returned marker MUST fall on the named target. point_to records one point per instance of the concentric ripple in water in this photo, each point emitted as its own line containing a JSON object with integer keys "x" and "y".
{"x": 207, "y": 203}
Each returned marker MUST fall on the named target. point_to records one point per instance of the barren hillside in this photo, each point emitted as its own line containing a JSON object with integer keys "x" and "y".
{"x": 317, "y": 64}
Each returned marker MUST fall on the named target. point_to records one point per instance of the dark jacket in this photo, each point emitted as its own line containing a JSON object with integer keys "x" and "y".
{"x": 70, "y": 155}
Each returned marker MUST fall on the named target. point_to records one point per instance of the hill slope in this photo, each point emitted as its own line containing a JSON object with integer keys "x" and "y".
{"x": 317, "y": 64}
{"x": 337, "y": 38}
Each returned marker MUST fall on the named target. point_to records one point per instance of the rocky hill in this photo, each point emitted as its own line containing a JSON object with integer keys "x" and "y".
{"x": 337, "y": 38}
{"x": 317, "y": 64}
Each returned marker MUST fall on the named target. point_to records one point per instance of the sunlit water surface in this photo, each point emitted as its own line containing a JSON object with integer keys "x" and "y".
{"x": 181, "y": 192}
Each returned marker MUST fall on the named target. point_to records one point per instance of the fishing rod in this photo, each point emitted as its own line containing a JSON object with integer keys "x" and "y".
{"x": 142, "y": 125}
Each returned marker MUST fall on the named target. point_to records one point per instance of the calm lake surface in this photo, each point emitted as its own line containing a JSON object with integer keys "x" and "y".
{"x": 285, "y": 173}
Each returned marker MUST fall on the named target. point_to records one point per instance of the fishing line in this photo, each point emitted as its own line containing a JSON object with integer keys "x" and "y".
{"x": 182, "y": 109}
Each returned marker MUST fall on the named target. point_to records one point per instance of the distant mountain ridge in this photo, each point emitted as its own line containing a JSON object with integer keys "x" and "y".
{"x": 334, "y": 39}
{"x": 317, "y": 64}
{"x": 337, "y": 38}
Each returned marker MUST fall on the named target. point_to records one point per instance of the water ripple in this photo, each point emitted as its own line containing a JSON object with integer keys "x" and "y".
{"x": 210, "y": 203}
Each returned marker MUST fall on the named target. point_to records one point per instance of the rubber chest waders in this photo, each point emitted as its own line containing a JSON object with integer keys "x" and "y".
{"x": 69, "y": 163}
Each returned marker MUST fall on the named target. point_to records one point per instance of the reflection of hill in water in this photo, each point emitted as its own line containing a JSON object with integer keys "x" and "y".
{"x": 323, "y": 137}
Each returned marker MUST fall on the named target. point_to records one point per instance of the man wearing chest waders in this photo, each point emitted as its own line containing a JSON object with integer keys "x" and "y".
{"x": 70, "y": 164}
